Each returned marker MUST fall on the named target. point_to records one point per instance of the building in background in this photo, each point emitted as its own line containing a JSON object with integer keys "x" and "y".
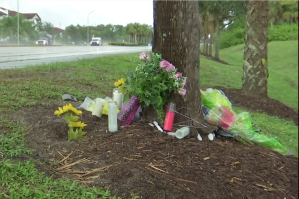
{"x": 34, "y": 17}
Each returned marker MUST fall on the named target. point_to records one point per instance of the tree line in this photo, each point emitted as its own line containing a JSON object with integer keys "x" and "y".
{"x": 215, "y": 16}
{"x": 131, "y": 33}
{"x": 28, "y": 31}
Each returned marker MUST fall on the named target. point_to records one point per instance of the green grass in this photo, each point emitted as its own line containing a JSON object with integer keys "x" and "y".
{"x": 94, "y": 78}
{"x": 284, "y": 131}
{"x": 283, "y": 70}
{"x": 22, "y": 180}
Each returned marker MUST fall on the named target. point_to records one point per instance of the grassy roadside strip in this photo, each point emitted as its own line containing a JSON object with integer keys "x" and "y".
{"x": 39, "y": 85}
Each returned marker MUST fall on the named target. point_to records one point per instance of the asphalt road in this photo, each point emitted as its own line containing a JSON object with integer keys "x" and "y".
{"x": 19, "y": 57}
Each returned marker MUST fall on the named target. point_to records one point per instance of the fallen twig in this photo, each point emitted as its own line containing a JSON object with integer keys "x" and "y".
{"x": 95, "y": 170}
{"x": 157, "y": 168}
{"x": 72, "y": 164}
{"x": 28, "y": 130}
{"x": 265, "y": 187}
{"x": 129, "y": 158}
{"x": 65, "y": 157}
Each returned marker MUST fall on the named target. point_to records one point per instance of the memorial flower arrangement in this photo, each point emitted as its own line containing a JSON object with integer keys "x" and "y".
{"x": 153, "y": 81}
{"x": 71, "y": 115}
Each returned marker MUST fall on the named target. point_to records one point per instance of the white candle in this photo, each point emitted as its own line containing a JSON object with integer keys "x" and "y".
{"x": 112, "y": 117}
{"x": 98, "y": 107}
{"x": 118, "y": 98}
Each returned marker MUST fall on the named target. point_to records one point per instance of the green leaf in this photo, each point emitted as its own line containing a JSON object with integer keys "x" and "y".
{"x": 70, "y": 118}
{"x": 159, "y": 101}
{"x": 264, "y": 61}
{"x": 129, "y": 74}
{"x": 147, "y": 102}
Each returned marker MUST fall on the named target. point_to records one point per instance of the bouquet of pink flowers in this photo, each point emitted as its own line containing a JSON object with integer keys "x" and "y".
{"x": 153, "y": 81}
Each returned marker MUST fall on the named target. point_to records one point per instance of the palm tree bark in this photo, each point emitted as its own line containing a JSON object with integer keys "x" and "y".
{"x": 217, "y": 46}
{"x": 177, "y": 38}
{"x": 255, "y": 64}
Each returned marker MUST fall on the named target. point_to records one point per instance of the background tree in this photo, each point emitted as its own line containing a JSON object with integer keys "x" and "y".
{"x": 290, "y": 11}
{"x": 9, "y": 31}
{"x": 255, "y": 65}
{"x": 177, "y": 37}
{"x": 216, "y": 15}
{"x": 48, "y": 27}
{"x": 275, "y": 12}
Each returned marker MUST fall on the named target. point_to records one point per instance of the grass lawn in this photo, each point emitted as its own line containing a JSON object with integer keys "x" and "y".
{"x": 38, "y": 85}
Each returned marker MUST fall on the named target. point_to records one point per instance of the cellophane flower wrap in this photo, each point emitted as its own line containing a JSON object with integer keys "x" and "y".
{"x": 153, "y": 81}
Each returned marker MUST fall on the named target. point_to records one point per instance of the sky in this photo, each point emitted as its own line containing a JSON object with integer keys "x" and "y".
{"x": 62, "y": 13}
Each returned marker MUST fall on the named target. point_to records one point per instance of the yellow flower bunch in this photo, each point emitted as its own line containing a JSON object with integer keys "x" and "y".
{"x": 119, "y": 82}
{"x": 67, "y": 108}
{"x": 78, "y": 124}
{"x": 75, "y": 126}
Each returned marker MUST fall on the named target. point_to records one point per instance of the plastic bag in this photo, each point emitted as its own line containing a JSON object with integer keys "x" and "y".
{"x": 217, "y": 110}
{"x": 213, "y": 97}
{"x": 220, "y": 116}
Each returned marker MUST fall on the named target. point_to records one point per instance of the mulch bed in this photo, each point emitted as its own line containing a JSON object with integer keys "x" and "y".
{"x": 141, "y": 161}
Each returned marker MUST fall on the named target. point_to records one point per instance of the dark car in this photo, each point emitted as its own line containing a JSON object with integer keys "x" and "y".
{"x": 83, "y": 43}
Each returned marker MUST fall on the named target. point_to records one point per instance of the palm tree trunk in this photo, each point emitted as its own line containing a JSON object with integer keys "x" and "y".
{"x": 255, "y": 65}
{"x": 217, "y": 47}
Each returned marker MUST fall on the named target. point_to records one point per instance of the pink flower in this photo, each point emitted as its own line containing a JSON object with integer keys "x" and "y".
{"x": 164, "y": 64}
{"x": 170, "y": 68}
{"x": 182, "y": 91}
{"x": 183, "y": 82}
{"x": 178, "y": 75}
{"x": 148, "y": 57}
{"x": 144, "y": 56}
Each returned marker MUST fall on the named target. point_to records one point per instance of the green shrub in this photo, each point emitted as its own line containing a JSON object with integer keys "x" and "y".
{"x": 283, "y": 32}
{"x": 232, "y": 37}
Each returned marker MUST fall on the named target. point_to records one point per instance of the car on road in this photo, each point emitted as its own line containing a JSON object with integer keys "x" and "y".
{"x": 83, "y": 43}
{"x": 96, "y": 41}
{"x": 44, "y": 41}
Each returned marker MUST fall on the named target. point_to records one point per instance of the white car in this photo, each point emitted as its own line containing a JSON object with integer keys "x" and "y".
{"x": 44, "y": 41}
{"x": 96, "y": 41}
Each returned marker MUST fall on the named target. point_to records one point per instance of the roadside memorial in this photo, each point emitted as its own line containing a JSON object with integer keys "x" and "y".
{"x": 150, "y": 85}
{"x": 218, "y": 111}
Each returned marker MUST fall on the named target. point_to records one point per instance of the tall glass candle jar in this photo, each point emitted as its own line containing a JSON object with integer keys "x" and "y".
{"x": 118, "y": 98}
{"x": 168, "y": 122}
{"x": 112, "y": 117}
{"x": 128, "y": 111}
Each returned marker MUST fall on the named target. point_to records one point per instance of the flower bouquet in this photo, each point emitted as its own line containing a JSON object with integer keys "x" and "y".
{"x": 71, "y": 115}
{"x": 153, "y": 81}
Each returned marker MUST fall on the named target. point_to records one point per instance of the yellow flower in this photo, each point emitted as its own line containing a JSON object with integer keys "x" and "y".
{"x": 66, "y": 108}
{"x": 61, "y": 111}
{"x": 78, "y": 124}
{"x": 119, "y": 82}
{"x": 74, "y": 110}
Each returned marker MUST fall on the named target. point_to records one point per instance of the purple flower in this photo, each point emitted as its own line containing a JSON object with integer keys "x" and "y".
{"x": 164, "y": 64}
{"x": 178, "y": 75}
{"x": 182, "y": 91}
{"x": 170, "y": 68}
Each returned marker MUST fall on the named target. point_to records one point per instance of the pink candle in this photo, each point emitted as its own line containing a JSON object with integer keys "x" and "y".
{"x": 168, "y": 122}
